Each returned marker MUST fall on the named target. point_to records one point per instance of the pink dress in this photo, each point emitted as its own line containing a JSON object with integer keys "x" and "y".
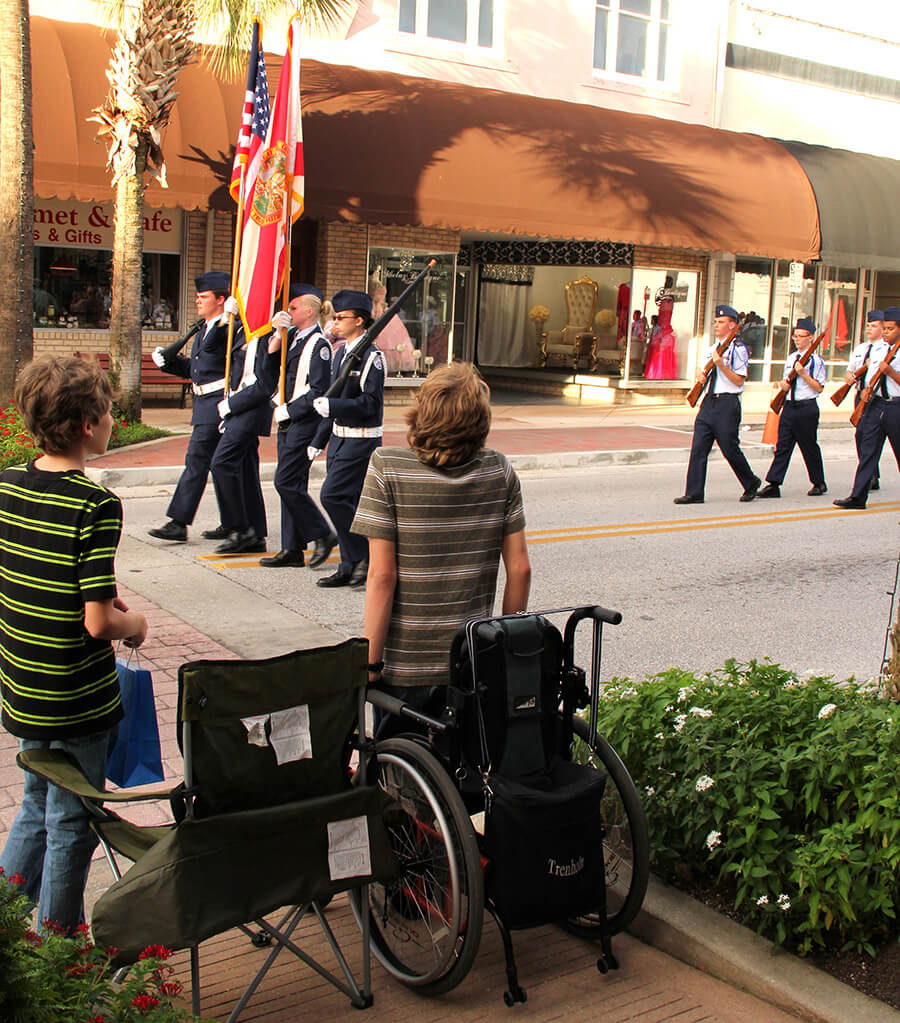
{"x": 662, "y": 362}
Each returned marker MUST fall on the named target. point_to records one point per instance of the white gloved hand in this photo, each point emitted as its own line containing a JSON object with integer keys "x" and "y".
{"x": 320, "y": 405}
{"x": 231, "y": 306}
{"x": 157, "y": 356}
{"x": 224, "y": 408}
{"x": 313, "y": 453}
{"x": 281, "y": 413}
{"x": 281, "y": 320}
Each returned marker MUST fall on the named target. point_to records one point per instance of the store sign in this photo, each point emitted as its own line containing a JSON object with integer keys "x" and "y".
{"x": 679, "y": 293}
{"x": 795, "y": 279}
{"x": 85, "y": 225}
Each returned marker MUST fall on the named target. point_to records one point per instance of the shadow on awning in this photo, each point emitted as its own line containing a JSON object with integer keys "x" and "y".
{"x": 385, "y": 148}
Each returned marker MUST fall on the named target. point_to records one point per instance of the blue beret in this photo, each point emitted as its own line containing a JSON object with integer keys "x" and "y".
{"x": 306, "y": 289}
{"x": 875, "y": 316}
{"x": 347, "y": 300}
{"x": 892, "y": 313}
{"x": 727, "y": 310}
{"x": 213, "y": 280}
{"x": 805, "y": 323}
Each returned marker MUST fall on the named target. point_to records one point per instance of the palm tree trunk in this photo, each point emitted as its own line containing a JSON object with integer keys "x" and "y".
{"x": 16, "y": 194}
{"x": 126, "y": 310}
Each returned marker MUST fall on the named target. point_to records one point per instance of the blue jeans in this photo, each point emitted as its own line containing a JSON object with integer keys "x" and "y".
{"x": 51, "y": 843}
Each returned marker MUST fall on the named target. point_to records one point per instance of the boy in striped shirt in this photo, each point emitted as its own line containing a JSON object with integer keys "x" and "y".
{"x": 58, "y": 613}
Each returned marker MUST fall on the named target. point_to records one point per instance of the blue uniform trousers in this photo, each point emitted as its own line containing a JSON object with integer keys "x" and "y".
{"x": 235, "y": 469}
{"x": 348, "y": 460}
{"x": 718, "y": 421}
{"x": 857, "y": 436}
{"x": 198, "y": 457}
{"x": 301, "y": 520}
{"x": 798, "y": 426}
{"x": 880, "y": 422}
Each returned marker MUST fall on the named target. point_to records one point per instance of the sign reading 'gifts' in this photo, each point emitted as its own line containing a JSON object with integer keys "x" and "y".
{"x": 84, "y": 225}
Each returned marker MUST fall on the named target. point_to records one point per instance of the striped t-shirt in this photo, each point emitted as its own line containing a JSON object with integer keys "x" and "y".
{"x": 58, "y": 538}
{"x": 448, "y": 527}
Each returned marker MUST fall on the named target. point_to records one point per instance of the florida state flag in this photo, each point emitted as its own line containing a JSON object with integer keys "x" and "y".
{"x": 273, "y": 197}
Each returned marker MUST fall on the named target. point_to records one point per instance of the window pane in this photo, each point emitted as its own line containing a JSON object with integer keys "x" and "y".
{"x": 407, "y": 15}
{"x": 631, "y": 56}
{"x": 600, "y": 28}
{"x": 664, "y": 10}
{"x": 637, "y": 6}
{"x": 486, "y": 23}
{"x": 661, "y": 58}
{"x": 447, "y": 20}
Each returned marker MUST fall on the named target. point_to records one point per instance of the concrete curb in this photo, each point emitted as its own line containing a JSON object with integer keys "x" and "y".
{"x": 684, "y": 928}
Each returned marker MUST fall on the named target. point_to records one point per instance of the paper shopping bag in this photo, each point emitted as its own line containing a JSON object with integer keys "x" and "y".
{"x": 135, "y": 758}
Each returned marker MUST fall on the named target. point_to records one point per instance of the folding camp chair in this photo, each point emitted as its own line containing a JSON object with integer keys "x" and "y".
{"x": 266, "y": 818}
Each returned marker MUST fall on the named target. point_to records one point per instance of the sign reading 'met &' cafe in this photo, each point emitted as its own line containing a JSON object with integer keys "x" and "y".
{"x": 84, "y": 225}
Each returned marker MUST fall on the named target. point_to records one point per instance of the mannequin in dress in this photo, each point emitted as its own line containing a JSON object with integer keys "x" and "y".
{"x": 394, "y": 341}
{"x": 662, "y": 362}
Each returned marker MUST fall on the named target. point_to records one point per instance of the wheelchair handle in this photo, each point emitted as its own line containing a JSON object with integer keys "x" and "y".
{"x": 393, "y": 705}
{"x": 596, "y": 613}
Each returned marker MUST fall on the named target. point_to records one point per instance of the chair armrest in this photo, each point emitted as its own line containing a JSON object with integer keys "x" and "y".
{"x": 60, "y": 768}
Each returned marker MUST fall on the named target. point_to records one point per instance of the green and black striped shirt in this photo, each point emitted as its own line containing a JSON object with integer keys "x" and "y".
{"x": 58, "y": 538}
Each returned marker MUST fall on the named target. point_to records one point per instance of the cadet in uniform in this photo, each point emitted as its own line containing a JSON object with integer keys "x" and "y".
{"x": 307, "y": 375}
{"x": 799, "y": 423}
{"x": 858, "y": 358}
{"x": 719, "y": 418}
{"x": 206, "y": 370}
{"x": 881, "y": 420}
{"x": 353, "y": 419}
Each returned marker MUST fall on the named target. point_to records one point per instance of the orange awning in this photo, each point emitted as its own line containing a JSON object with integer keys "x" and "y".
{"x": 384, "y": 148}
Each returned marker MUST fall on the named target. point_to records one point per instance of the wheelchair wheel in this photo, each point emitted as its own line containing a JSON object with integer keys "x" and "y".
{"x": 426, "y": 926}
{"x": 627, "y": 843}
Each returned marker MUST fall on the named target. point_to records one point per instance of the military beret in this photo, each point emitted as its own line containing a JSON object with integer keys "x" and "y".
{"x": 875, "y": 316}
{"x": 213, "y": 280}
{"x": 297, "y": 290}
{"x": 805, "y": 323}
{"x": 348, "y": 300}
{"x": 892, "y": 313}
{"x": 727, "y": 310}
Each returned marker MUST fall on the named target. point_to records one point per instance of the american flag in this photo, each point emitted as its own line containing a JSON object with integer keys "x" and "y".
{"x": 255, "y": 115}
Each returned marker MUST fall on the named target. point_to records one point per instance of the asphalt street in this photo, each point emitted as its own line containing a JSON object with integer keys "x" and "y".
{"x": 794, "y": 580}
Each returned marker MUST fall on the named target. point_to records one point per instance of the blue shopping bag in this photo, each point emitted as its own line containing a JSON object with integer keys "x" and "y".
{"x": 135, "y": 758}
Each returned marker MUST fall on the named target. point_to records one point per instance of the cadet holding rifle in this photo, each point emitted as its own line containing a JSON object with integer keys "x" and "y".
{"x": 719, "y": 420}
{"x": 878, "y": 410}
{"x": 856, "y": 372}
{"x": 798, "y": 392}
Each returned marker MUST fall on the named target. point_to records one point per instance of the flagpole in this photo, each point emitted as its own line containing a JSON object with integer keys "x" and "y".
{"x": 235, "y": 270}
{"x": 286, "y": 279}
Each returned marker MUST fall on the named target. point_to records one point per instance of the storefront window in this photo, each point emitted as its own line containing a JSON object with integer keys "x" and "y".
{"x": 667, "y": 301}
{"x": 788, "y": 307}
{"x": 838, "y": 317}
{"x": 751, "y": 294}
{"x": 420, "y": 336}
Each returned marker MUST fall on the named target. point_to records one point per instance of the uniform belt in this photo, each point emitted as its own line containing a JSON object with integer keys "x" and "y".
{"x": 357, "y": 431}
{"x": 725, "y": 394}
{"x": 210, "y": 388}
{"x": 887, "y": 401}
{"x": 799, "y": 401}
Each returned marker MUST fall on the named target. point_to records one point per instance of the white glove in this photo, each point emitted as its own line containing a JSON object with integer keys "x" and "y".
{"x": 231, "y": 306}
{"x": 157, "y": 356}
{"x": 281, "y": 320}
{"x": 224, "y": 408}
{"x": 320, "y": 405}
{"x": 313, "y": 453}
{"x": 281, "y": 413}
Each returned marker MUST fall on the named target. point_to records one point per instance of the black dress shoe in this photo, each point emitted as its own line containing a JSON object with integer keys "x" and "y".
{"x": 322, "y": 549}
{"x": 284, "y": 559}
{"x": 242, "y": 541}
{"x": 875, "y": 484}
{"x": 750, "y": 493}
{"x": 219, "y": 533}
{"x": 770, "y": 490}
{"x": 359, "y": 573}
{"x": 816, "y": 491}
{"x": 329, "y": 581}
{"x": 172, "y": 530}
{"x": 688, "y": 499}
{"x": 850, "y": 502}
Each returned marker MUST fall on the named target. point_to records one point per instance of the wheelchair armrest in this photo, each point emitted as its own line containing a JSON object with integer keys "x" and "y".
{"x": 62, "y": 769}
{"x": 393, "y": 705}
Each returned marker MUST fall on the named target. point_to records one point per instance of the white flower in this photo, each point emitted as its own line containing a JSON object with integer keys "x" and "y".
{"x": 669, "y": 709}
{"x": 679, "y": 722}
{"x": 650, "y": 790}
{"x": 763, "y": 900}
{"x": 793, "y": 683}
{"x": 629, "y": 691}
{"x": 827, "y": 710}
{"x": 704, "y": 782}
{"x": 683, "y": 693}
{"x": 659, "y": 736}
{"x": 713, "y": 839}
{"x": 784, "y": 903}
{"x": 701, "y": 712}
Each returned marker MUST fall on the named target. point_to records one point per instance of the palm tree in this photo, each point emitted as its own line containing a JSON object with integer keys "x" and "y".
{"x": 16, "y": 193}
{"x": 153, "y": 47}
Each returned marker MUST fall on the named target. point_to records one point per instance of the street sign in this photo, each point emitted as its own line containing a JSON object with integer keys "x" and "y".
{"x": 795, "y": 279}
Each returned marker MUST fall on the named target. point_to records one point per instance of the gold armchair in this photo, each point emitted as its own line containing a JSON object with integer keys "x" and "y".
{"x": 576, "y": 341}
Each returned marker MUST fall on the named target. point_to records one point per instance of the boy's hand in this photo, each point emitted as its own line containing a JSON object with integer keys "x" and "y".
{"x": 138, "y": 637}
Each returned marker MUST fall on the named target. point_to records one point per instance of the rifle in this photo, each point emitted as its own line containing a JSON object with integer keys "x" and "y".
{"x": 778, "y": 401}
{"x": 170, "y": 351}
{"x": 355, "y": 357}
{"x": 695, "y": 392}
{"x": 866, "y": 396}
{"x": 848, "y": 385}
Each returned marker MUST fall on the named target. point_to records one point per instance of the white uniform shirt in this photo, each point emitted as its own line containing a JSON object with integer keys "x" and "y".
{"x": 736, "y": 357}
{"x": 815, "y": 368}
{"x": 880, "y": 350}
{"x": 859, "y": 355}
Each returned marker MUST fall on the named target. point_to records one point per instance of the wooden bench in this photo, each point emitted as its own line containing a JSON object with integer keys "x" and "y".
{"x": 151, "y": 374}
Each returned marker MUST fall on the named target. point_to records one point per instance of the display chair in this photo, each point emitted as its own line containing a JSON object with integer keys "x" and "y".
{"x": 574, "y": 343}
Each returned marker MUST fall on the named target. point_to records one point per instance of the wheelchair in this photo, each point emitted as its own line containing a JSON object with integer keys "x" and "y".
{"x": 435, "y": 762}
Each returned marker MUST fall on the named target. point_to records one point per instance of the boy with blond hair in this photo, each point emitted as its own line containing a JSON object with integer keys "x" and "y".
{"x": 58, "y": 613}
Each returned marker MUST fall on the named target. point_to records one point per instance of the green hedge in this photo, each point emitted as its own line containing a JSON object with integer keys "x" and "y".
{"x": 788, "y": 787}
